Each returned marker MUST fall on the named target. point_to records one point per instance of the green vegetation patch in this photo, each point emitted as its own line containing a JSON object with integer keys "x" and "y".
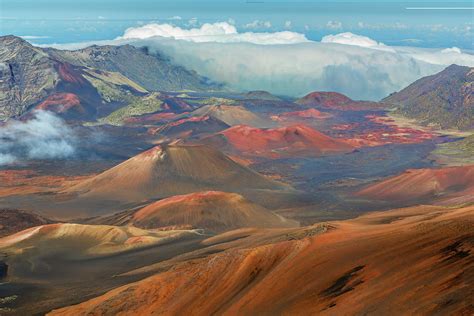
{"x": 138, "y": 106}
{"x": 111, "y": 86}
{"x": 456, "y": 153}
{"x": 217, "y": 101}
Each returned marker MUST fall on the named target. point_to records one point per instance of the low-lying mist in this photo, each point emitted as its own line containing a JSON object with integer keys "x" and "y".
{"x": 43, "y": 136}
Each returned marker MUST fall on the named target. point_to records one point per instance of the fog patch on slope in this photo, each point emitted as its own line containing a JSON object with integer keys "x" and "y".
{"x": 294, "y": 70}
{"x": 44, "y": 136}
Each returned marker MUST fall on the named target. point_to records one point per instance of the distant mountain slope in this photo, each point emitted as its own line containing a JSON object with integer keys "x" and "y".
{"x": 190, "y": 127}
{"x": 260, "y": 95}
{"x": 336, "y": 101}
{"x": 84, "y": 84}
{"x": 230, "y": 115}
{"x": 27, "y": 75}
{"x": 154, "y": 71}
{"x": 445, "y": 99}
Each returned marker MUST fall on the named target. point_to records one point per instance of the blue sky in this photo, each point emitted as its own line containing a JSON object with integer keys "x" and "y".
{"x": 394, "y": 23}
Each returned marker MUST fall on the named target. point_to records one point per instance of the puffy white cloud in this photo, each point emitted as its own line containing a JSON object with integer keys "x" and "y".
{"x": 453, "y": 49}
{"x": 221, "y": 32}
{"x": 44, "y": 136}
{"x": 380, "y": 26}
{"x": 257, "y": 24}
{"x": 349, "y": 38}
{"x": 335, "y": 25}
{"x": 167, "y": 30}
{"x": 442, "y": 57}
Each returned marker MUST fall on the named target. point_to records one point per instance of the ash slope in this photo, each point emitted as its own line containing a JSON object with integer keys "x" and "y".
{"x": 450, "y": 183}
{"x": 12, "y": 221}
{"x": 213, "y": 211}
{"x": 169, "y": 170}
{"x": 429, "y": 248}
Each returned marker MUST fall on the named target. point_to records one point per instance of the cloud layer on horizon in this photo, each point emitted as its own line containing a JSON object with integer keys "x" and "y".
{"x": 287, "y": 63}
{"x": 220, "y": 32}
{"x": 348, "y": 38}
{"x": 44, "y": 136}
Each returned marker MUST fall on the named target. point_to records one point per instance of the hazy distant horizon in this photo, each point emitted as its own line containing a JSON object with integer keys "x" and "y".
{"x": 430, "y": 24}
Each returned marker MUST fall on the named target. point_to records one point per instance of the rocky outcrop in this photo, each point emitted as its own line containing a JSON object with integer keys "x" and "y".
{"x": 97, "y": 75}
{"x": 3, "y": 270}
{"x": 27, "y": 75}
{"x": 153, "y": 71}
{"x": 13, "y": 221}
{"x": 445, "y": 99}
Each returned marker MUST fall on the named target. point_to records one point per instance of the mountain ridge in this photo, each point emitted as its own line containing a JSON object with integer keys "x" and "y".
{"x": 445, "y": 99}
{"x": 30, "y": 74}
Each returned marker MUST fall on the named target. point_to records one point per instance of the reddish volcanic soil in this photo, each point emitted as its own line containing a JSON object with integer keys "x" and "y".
{"x": 417, "y": 184}
{"x": 13, "y": 221}
{"x": 61, "y": 103}
{"x": 305, "y": 114}
{"x": 412, "y": 261}
{"x": 183, "y": 134}
{"x": 280, "y": 142}
{"x": 170, "y": 103}
{"x": 230, "y": 114}
{"x": 212, "y": 210}
{"x": 24, "y": 182}
{"x": 69, "y": 74}
{"x": 190, "y": 119}
{"x": 387, "y": 132}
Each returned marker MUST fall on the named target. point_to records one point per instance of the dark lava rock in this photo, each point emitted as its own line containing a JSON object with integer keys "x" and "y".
{"x": 3, "y": 270}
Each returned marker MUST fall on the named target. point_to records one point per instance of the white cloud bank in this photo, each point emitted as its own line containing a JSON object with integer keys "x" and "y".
{"x": 348, "y": 38}
{"x": 452, "y": 50}
{"x": 288, "y": 63}
{"x": 221, "y": 32}
{"x": 44, "y": 136}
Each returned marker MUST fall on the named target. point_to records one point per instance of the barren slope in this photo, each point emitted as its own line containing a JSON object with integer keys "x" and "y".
{"x": 212, "y": 210}
{"x": 417, "y": 184}
{"x": 409, "y": 261}
{"x": 297, "y": 140}
{"x": 169, "y": 170}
